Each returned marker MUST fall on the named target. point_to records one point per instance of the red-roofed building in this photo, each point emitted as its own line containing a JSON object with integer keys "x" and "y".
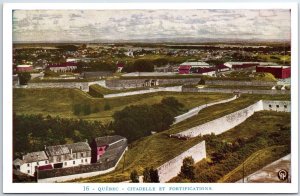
{"x": 184, "y": 69}
{"x": 278, "y": 71}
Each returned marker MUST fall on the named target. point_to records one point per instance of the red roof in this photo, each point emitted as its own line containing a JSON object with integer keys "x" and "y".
{"x": 45, "y": 167}
{"x": 185, "y": 67}
{"x": 120, "y": 65}
{"x": 221, "y": 66}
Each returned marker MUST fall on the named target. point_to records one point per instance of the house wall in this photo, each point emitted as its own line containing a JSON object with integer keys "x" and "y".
{"x": 229, "y": 121}
{"x": 83, "y": 171}
{"x": 31, "y": 167}
{"x": 172, "y": 168}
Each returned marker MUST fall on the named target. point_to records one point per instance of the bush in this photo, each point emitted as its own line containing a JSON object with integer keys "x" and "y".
{"x": 24, "y": 78}
{"x": 134, "y": 176}
{"x": 188, "y": 168}
{"x": 150, "y": 175}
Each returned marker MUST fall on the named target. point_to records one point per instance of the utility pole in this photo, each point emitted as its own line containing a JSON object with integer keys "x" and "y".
{"x": 243, "y": 172}
{"x": 124, "y": 163}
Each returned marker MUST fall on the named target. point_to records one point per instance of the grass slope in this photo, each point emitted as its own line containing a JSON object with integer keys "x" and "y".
{"x": 156, "y": 149}
{"x": 60, "y": 102}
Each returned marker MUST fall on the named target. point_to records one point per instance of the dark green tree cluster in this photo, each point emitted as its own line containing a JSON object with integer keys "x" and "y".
{"x": 134, "y": 177}
{"x": 24, "y": 78}
{"x": 140, "y": 65}
{"x": 134, "y": 122}
{"x": 150, "y": 175}
{"x": 32, "y": 132}
{"x": 188, "y": 169}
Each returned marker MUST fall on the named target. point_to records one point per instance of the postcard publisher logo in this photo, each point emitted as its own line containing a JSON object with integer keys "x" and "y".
{"x": 282, "y": 174}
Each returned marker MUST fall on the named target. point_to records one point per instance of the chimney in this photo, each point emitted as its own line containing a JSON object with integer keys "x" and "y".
{"x": 45, "y": 147}
{"x": 86, "y": 140}
{"x": 71, "y": 151}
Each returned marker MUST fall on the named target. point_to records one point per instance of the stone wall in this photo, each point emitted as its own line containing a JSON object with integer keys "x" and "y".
{"x": 239, "y": 83}
{"x": 229, "y": 121}
{"x": 195, "y": 111}
{"x": 135, "y": 83}
{"x": 151, "y": 90}
{"x": 245, "y": 91}
{"x": 172, "y": 168}
{"x": 84, "y": 86}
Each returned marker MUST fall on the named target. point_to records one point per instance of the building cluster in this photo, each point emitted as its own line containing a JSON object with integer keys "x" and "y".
{"x": 101, "y": 150}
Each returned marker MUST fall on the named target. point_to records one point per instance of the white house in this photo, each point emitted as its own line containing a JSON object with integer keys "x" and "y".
{"x": 69, "y": 155}
{"x": 30, "y": 162}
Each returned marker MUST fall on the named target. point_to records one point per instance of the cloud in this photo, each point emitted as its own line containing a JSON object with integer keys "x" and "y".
{"x": 85, "y": 25}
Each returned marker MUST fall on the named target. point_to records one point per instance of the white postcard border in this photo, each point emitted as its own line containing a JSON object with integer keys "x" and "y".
{"x": 9, "y": 187}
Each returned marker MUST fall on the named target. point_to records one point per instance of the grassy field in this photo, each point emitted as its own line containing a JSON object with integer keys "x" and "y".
{"x": 59, "y": 102}
{"x": 255, "y": 162}
{"x": 156, "y": 149}
{"x": 281, "y": 59}
{"x": 240, "y": 87}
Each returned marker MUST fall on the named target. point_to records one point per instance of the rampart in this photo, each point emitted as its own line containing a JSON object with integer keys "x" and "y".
{"x": 172, "y": 168}
{"x": 229, "y": 121}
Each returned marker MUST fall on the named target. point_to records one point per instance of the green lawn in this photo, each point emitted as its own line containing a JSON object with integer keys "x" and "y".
{"x": 59, "y": 102}
{"x": 240, "y": 87}
{"x": 255, "y": 162}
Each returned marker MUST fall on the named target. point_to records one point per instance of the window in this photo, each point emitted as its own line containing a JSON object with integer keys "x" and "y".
{"x": 28, "y": 171}
{"x": 28, "y": 165}
{"x": 65, "y": 163}
{"x": 73, "y": 162}
{"x": 37, "y": 163}
{"x": 277, "y": 106}
{"x": 81, "y": 154}
{"x": 81, "y": 160}
{"x": 86, "y": 160}
{"x": 46, "y": 162}
{"x": 285, "y": 106}
{"x": 270, "y": 106}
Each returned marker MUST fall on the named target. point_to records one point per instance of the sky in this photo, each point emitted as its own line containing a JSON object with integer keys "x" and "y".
{"x": 89, "y": 25}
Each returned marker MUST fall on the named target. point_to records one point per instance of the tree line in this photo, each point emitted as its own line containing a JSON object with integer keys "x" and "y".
{"x": 137, "y": 121}
{"x": 32, "y": 132}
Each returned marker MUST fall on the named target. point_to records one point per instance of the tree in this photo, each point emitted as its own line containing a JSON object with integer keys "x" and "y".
{"x": 134, "y": 176}
{"x": 146, "y": 175}
{"x": 24, "y": 77}
{"x": 202, "y": 82}
{"x": 150, "y": 175}
{"x": 188, "y": 168}
{"x": 154, "y": 175}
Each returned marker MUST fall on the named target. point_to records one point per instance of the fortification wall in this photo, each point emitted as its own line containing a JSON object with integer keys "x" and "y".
{"x": 194, "y": 111}
{"x": 239, "y": 83}
{"x": 79, "y": 85}
{"x": 245, "y": 91}
{"x": 229, "y": 121}
{"x": 172, "y": 168}
{"x": 135, "y": 83}
{"x": 151, "y": 90}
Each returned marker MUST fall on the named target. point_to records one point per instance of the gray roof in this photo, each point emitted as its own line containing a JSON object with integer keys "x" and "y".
{"x": 66, "y": 149}
{"x": 18, "y": 162}
{"x": 79, "y": 147}
{"x": 35, "y": 156}
{"x": 114, "y": 151}
{"x": 106, "y": 140}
